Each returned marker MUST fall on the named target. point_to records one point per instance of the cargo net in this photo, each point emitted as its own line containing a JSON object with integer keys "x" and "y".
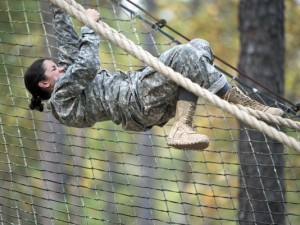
{"x": 53, "y": 174}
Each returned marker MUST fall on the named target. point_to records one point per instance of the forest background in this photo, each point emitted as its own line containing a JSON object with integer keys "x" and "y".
{"x": 56, "y": 175}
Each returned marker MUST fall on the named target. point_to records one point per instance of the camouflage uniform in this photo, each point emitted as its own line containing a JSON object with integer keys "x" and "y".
{"x": 138, "y": 100}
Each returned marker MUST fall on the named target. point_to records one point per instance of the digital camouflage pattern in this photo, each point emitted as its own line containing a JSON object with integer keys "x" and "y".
{"x": 138, "y": 100}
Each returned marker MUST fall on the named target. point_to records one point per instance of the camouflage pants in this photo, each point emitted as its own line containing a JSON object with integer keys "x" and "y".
{"x": 158, "y": 95}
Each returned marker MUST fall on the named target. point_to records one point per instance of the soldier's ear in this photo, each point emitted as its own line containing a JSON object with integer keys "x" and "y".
{"x": 44, "y": 84}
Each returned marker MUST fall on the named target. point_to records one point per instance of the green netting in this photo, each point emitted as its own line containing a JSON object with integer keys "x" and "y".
{"x": 52, "y": 174}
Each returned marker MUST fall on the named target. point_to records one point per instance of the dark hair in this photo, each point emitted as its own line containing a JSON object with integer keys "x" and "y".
{"x": 34, "y": 74}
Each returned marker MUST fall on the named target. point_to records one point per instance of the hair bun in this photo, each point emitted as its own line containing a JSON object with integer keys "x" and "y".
{"x": 36, "y": 103}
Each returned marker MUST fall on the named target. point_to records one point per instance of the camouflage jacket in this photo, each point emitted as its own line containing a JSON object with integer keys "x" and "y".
{"x": 84, "y": 95}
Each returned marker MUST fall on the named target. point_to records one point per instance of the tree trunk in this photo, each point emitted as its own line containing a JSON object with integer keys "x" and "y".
{"x": 261, "y": 195}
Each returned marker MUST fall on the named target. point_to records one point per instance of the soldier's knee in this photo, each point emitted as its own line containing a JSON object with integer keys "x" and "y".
{"x": 203, "y": 46}
{"x": 199, "y": 43}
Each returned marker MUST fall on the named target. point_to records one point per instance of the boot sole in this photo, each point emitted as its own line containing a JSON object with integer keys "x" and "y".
{"x": 192, "y": 146}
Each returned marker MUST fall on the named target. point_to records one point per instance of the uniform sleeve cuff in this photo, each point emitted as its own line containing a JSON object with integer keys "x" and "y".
{"x": 86, "y": 30}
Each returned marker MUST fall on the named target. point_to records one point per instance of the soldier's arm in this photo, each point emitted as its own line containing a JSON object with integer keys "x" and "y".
{"x": 67, "y": 40}
{"x": 85, "y": 66}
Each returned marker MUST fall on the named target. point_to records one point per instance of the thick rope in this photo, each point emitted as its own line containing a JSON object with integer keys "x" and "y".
{"x": 77, "y": 11}
{"x": 271, "y": 118}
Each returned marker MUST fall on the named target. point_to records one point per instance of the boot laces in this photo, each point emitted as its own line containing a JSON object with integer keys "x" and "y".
{"x": 189, "y": 118}
{"x": 248, "y": 102}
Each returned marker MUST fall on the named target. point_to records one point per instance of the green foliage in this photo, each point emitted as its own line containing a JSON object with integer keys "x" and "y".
{"x": 214, "y": 21}
{"x": 66, "y": 175}
{"x": 292, "y": 54}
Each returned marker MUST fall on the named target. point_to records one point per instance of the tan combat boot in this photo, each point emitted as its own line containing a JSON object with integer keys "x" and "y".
{"x": 237, "y": 97}
{"x": 182, "y": 134}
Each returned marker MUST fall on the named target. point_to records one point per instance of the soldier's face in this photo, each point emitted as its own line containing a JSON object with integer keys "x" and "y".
{"x": 52, "y": 74}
